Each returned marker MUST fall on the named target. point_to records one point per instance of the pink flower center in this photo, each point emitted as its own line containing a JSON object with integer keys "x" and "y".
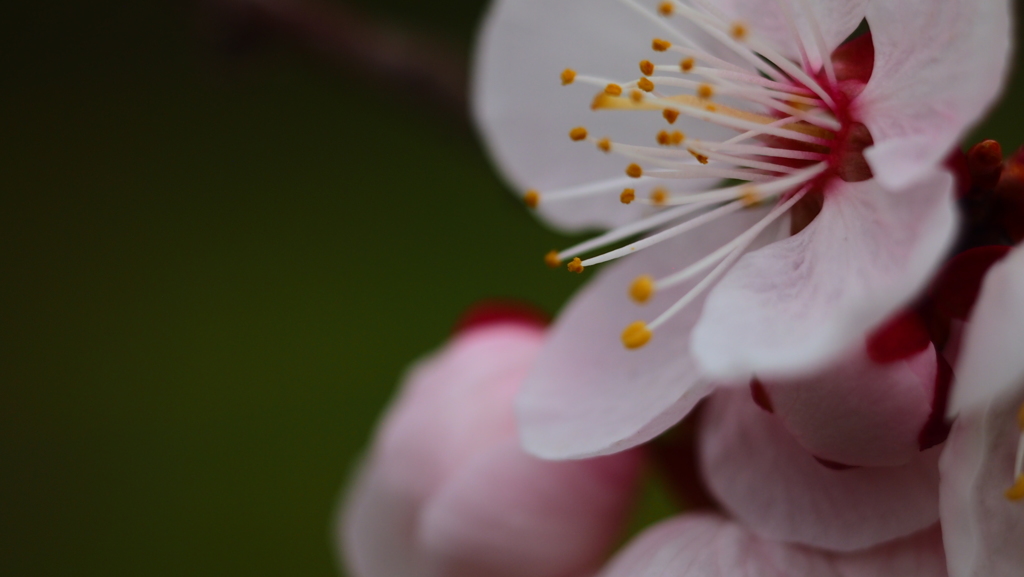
{"x": 794, "y": 132}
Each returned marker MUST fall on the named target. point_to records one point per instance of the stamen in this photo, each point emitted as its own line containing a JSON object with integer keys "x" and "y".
{"x": 575, "y": 266}
{"x": 658, "y": 196}
{"x": 1016, "y": 492}
{"x": 626, "y": 231}
{"x": 665, "y": 9}
{"x": 634, "y": 171}
{"x": 627, "y": 196}
{"x": 646, "y": 67}
{"x": 605, "y": 144}
{"x": 686, "y": 64}
{"x": 670, "y": 114}
{"x": 578, "y": 133}
{"x": 606, "y": 186}
{"x": 748, "y": 237}
{"x": 568, "y": 76}
{"x": 819, "y": 39}
{"x": 613, "y": 89}
{"x": 531, "y": 198}
{"x": 645, "y": 84}
{"x": 551, "y": 259}
{"x": 770, "y": 189}
{"x": 636, "y": 335}
{"x": 666, "y": 234}
{"x": 705, "y": 91}
{"x": 738, "y": 31}
{"x": 642, "y": 288}
{"x": 659, "y": 45}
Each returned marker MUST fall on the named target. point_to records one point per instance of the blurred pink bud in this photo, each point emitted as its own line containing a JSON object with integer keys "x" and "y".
{"x": 445, "y": 489}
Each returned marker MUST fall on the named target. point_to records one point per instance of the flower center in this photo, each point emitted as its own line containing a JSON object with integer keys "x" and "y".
{"x": 795, "y": 131}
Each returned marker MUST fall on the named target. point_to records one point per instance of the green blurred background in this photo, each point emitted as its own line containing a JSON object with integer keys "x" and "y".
{"x": 216, "y": 260}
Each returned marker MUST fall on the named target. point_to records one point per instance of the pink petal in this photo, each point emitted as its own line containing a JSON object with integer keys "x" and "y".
{"x": 759, "y": 472}
{"x": 509, "y": 514}
{"x": 836, "y": 19}
{"x": 938, "y": 67}
{"x": 983, "y": 530}
{"x": 792, "y": 306}
{"x": 857, "y": 411}
{"x": 710, "y": 546}
{"x": 990, "y": 360}
{"x": 587, "y": 394}
{"x": 456, "y": 404}
{"x": 376, "y": 527}
{"x": 525, "y": 114}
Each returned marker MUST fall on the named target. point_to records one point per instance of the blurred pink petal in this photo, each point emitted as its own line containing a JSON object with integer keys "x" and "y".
{"x": 762, "y": 475}
{"x": 446, "y": 490}
{"x": 857, "y": 411}
{"x": 587, "y": 395}
{"x": 711, "y": 546}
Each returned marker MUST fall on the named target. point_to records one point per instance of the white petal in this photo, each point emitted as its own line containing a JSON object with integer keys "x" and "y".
{"x": 795, "y": 304}
{"x": 982, "y": 529}
{"x": 938, "y": 67}
{"x": 525, "y": 114}
{"x": 991, "y": 358}
{"x": 587, "y": 394}
{"x": 710, "y": 546}
{"x": 836, "y": 19}
{"x": 759, "y": 472}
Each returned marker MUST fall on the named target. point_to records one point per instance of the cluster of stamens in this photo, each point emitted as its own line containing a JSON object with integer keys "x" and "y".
{"x": 786, "y": 118}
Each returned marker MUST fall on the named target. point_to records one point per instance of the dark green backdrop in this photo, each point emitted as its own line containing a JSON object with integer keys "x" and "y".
{"x": 212, "y": 272}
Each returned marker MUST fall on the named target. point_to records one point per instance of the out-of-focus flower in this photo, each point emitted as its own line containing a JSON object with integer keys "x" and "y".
{"x": 982, "y": 467}
{"x": 712, "y": 546}
{"x": 846, "y": 139}
{"x": 446, "y": 490}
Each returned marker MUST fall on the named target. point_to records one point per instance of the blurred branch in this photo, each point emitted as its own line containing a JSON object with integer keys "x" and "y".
{"x": 419, "y": 66}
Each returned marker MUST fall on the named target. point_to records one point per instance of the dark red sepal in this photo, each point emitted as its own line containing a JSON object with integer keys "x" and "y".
{"x": 936, "y": 428}
{"x": 956, "y": 287}
{"x": 902, "y": 336}
{"x": 497, "y": 311}
{"x": 760, "y": 395}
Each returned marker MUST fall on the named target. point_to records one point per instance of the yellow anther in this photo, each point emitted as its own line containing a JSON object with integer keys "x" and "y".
{"x": 627, "y": 196}
{"x": 605, "y": 144}
{"x": 647, "y": 67}
{"x": 711, "y": 108}
{"x": 1020, "y": 418}
{"x": 634, "y": 171}
{"x": 531, "y": 198}
{"x": 551, "y": 259}
{"x": 670, "y": 114}
{"x": 613, "y": 90}
{"x": 705, "y": 91}
{"x": 642, "y": 288}
{"x": 1016, "y": 492}
{"x": 750, "y": 197}
{"x": 678, "y": 137}
{"x": 578, "y": 133}
{"x": 645, "y": 84}
{"x": 568, "y": 75}
{"x": 664, "y": 138}
{"x": 575, "y": 265}
{"x": 659, "y": 196}
{"x": 700, "y": 157}
{"x": 738, "y": 31}
{"x": 660, "y": 45}
{"x": 636, "y": 335}
{"x": 636, "y": 96}
{"x": 666, "y": 8}
{"x": 686, "y": 64}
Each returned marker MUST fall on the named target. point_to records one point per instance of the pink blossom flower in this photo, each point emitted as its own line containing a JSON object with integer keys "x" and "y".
{"x": 446, "y": 490}
{"x": 982, "y": 467}
{"x": 846, "y": 140}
